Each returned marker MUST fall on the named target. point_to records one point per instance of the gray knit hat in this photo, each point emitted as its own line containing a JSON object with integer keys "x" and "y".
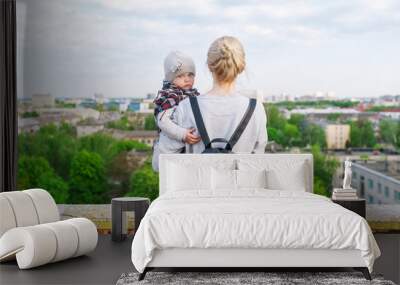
{"x": 177, "y": 63}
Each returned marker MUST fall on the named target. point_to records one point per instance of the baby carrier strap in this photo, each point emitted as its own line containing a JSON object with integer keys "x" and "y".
{"x": 243, "y": 123}
{"x": 236, "y": 134}
{"x": 199, "y": 120}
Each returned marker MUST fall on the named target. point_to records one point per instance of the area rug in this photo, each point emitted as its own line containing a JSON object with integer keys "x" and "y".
{"x": 231, "y": 278}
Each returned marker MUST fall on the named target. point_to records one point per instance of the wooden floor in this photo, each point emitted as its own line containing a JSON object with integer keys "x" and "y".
{"x": 103, "y": 266}
{"x": 110, "y": 259}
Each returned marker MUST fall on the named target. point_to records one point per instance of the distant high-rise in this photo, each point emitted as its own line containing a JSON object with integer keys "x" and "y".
{"x": 337, "y": 135}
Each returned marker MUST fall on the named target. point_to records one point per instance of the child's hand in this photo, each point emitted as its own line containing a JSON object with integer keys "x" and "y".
{"x": 190, "y": 138}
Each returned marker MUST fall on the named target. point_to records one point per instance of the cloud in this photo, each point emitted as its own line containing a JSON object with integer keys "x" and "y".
{"x": 97, "y": 42}
{"x": 160, "y": 7}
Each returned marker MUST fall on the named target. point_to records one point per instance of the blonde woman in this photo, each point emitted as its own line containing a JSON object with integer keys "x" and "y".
{"x": 222, "y": 108}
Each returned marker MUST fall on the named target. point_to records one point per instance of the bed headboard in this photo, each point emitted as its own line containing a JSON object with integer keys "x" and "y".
{"x": 281, "y": 162}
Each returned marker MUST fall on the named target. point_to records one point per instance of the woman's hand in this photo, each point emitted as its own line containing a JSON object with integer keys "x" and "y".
{"x": 190, "y": 138}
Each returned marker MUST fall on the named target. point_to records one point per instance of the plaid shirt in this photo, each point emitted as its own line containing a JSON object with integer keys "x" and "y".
{"x": 170, "y": 96}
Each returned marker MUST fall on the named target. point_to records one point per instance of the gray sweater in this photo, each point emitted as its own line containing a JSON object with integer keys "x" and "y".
{"x": 221, "y": 116}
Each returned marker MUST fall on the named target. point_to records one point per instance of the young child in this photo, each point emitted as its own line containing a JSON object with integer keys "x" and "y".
{"x": 178, "y": 83}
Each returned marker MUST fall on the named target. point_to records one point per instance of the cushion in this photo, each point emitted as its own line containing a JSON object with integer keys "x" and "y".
{"x": 67, "y": 240}
{"x": 87, "y": 235}
{"x": 281, "y": 180}
{"x": 7, "y": 220}
{"x": 223, "y": 179}
{"x": 23, "y": 208}
{"x": 40, "y": 244}
{"x": 282, "y": 174}
{"x": 26, "y": 208}
{"x": 251, "y": 178}
{"x": 183, "y": 177}
{"x": 45, "y": 205}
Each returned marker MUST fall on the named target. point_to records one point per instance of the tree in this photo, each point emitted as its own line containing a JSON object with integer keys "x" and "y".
{"x": 297, "y": 120}
{"x": 87, "y": 179}
{"x": 108, "y": 147}
{"x": 317, "y": 135}
{"x": 99, "y": 143}
{"x": 121, "y": 124}
{"x": 56, "y": 186}
{"x": 35, "y": 172}
{"x": 398, "y": 135}
{"x": 292, "y": 135}
{"x": 32, "y": 114}
{"x": 144, "y": 183}
{"x": 355, "y": 135}
{"x": 274, "y": 118}
{"x": 127, "y": 145}
{"x": 275, "y": 135}
{"x": 320, "y": 187}
{"x": 30, "y": 168}
{"x": 362, "y": 134}
{"x": 100, "y": 107}
{"x": 388, "y": 131}
{"x": 333, "y": 117}
{"x": 56, "y": 144}
{"x": 368, "y": 134}
{"x": 272, "y": 134}
{"x": 150, "y": 123}
{"x": 324, "y": 169}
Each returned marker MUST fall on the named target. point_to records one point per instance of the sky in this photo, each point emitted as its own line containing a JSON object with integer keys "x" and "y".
{"x": 75, "y": 48}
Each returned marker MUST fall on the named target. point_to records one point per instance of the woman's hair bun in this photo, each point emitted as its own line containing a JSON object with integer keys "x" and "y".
{"x": 226, "y": 59}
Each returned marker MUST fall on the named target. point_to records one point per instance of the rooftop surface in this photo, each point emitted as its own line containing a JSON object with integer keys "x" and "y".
{"x": 383, "y": 168}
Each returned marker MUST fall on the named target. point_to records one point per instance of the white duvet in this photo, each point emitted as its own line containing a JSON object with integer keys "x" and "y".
{"x": 250, "y": 219}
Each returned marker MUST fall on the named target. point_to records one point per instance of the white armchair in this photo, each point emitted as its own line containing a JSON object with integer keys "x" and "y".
{"x": 31, "y": 230}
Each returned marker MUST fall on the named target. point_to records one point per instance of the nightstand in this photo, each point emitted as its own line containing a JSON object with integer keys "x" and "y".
{"x": 356, "y": 205}
{"x": 138, "y": 205}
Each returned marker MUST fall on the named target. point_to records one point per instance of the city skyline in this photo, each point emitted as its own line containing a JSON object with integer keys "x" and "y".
{"x": 117, "y": 47}
{"x": 280, "y": 97}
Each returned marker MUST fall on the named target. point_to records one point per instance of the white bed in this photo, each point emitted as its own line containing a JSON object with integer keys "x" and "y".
{"x": 247, "y": 210}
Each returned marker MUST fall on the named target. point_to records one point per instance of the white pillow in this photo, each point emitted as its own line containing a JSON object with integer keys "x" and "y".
{"x": 290, "y": 180}
{"x": 251, "y": 178}
{"x": 223, "y": 179}
{"x": 183, "y": 177}
{"x": 282, "y": 174}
